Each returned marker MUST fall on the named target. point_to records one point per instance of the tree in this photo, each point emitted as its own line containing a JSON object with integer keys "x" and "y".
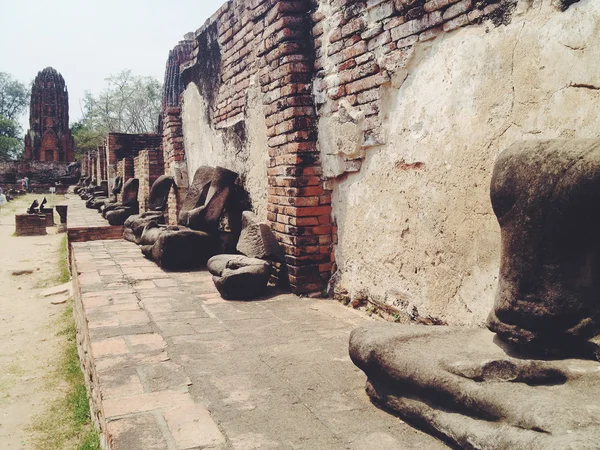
{"x": 11, "y": 144}
{"x": 86, "y": 138}
{"x": 14, "y": 97}
{"x": 129, "y": 104}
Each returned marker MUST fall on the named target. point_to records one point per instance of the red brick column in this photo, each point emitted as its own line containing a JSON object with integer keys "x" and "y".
{"x": 93, "y": 165}
{"x": 299, "y": 208}
{"x": 174, "y": 161}
{"x": 110, "y": 146}
{"x": 126, "y": 171}
{"x": 102, "y": 173}
{"x": 148, "y": 166}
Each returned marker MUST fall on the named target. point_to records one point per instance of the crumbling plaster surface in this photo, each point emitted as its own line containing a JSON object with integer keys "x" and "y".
{"x": 415, "y": 225}
{"x": 243, "y": 149}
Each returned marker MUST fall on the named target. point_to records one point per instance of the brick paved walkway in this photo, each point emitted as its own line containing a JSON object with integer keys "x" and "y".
{"x": 173, "y": 366}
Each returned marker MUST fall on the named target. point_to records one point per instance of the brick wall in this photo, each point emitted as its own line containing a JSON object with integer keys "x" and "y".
{"x": 271, "y": 41}
{"x": 125, "y": 171}
{"x": 148, "y": 167}
{"x": 102, "y": 171}
{"x": 310, "y": 57}
{"x": 174, "y": 160}
{"x": 85, "y": 234}
{"x": 30, "y": 224}
{"x": 358, "y": 44}
{"x": 121, "y": 145}
{"x": 38, "y": 172}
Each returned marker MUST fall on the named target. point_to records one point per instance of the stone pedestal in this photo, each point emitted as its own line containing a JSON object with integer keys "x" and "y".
{"x": 30, "y": 224}
{"x": 467, "y": 386}
{"x": 49, "y": 214}
{"x": 62, "y": 212}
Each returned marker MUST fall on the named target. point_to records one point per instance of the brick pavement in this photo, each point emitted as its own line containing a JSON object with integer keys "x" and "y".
{"x": 170, "y": 365}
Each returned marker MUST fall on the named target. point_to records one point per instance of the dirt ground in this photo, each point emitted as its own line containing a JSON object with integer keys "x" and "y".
{"x": 29, "y": 345}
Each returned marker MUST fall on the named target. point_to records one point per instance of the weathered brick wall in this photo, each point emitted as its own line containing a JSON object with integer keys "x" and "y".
{"x": 102, "y": 170}
{"x": 121, "y": 145}
{"x": 174, "y": 161}
{"x": 125, "y": 171}
{"x": 359, "y": 45}
{"x": 39, "y": 172}
{"x": 30, "y": 224}
{"x": 148, "y": 166}
{"x": 266, "y": 46}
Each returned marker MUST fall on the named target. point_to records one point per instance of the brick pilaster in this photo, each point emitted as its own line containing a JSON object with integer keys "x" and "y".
{"x": 299, "y": 208}
{"x": 174, "y": 161}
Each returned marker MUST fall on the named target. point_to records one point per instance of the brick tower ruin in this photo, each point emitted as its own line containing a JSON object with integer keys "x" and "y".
{"x": 49, "y": 137}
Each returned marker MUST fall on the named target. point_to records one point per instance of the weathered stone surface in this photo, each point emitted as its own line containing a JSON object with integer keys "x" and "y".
{"x": 426, "y": 188}
{"x": 238, "y": 277}
{"x": 257, "y": 240}
{"x": 157, "y": 203}
{"x": 159, "y": 193}
{"x": 460, "y": 383}
{"x": 207, "y": 216}
{"x": 117, "y": 213}
{"x": 545, "y": 195}
{"x": 182, "y": 249}
{"x": 197, "y": 192}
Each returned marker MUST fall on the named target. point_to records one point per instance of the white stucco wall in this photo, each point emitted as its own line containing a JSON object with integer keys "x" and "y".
{"x": 415, "y": 225}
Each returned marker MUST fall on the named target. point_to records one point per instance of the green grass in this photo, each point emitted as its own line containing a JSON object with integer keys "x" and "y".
{"x": 64, "y": 275}
{"x": 66, "y": 423}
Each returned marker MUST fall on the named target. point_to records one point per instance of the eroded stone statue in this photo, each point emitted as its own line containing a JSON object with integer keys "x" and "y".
{"x": 547, "y": 200}
{"x": 101, "y": 202}
{"x": 199, "y": 235}
{"x": 33, "y": 208}
{"x": 117, "y": 213}
{"x": 157, "y": 204}
{"x": 238, "y": 277}
{"x": 482, "y": 390}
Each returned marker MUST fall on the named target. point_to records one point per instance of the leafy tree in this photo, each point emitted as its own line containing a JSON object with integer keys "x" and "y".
{"x": 86, "y": 138}
{"x": 11, "y": 143}
{"x": 14, "y": 97}
{"x": 129, "y": 104}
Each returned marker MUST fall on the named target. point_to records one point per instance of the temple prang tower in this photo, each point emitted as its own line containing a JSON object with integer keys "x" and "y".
{"x": 49, "y": 137}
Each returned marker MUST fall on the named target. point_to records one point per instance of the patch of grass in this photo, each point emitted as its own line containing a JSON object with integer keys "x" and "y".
{"x": 66, "y": 423}
{"x": 63, "y": 265}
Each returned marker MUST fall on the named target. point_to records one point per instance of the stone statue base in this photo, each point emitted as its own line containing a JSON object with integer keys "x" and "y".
{"x": 467, "y": 387}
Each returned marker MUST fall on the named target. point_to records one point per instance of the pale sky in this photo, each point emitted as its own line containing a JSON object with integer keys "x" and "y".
{"x": 88, "y": 40}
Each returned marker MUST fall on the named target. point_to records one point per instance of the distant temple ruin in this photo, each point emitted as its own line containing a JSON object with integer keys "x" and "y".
{"x": 49, "y": 137}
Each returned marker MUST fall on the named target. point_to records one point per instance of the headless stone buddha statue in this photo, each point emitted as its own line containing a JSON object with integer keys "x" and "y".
{"x": 532, "y": 380}
{"x": 546, "y": 197}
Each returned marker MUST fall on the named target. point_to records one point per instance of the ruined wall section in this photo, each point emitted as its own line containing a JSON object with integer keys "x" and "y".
{"x": 118, "y": 146}
{"x": 414, "y": 108}
{"x": 38, "y": 172}
{"x": 148, "y": 166}
{"x": 222, "y": 115}
{"x": 171, "y": 127}
{"x": 364, "y": 48}
{"x": 248, "y": 107}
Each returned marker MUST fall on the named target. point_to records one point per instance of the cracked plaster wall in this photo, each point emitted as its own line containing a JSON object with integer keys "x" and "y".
{"x": 415, "y": 225}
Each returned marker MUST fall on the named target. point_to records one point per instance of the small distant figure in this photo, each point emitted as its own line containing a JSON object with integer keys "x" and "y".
{"x": 3, "y": 200}
{"x": 26, "y": 183}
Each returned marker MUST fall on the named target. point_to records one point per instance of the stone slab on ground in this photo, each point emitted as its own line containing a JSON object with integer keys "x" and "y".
{"x": 466, "y": 385}
{"x": 174, "y": 366}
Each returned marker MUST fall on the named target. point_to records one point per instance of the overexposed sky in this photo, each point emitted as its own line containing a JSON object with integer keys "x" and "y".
{"x": 87, "y": 40}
